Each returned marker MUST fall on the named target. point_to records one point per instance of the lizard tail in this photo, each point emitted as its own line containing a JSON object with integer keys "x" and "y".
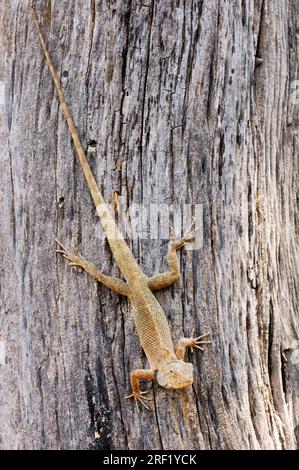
{"x": 121, "y": 252}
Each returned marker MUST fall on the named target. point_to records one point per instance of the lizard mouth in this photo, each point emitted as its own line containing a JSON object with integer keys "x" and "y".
{"x": 185, "y": 384}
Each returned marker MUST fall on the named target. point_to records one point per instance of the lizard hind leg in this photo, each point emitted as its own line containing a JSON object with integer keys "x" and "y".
{"x": 77, "y": 261}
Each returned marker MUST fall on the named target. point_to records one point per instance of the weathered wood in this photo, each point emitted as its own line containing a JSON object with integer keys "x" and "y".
{"x": 172, "y": 106}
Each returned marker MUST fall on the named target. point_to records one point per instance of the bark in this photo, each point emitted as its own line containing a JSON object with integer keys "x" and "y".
{"x": 172, "y": 106}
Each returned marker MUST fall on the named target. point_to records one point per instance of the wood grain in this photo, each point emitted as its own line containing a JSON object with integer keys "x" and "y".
{"x": 172, "y": 108}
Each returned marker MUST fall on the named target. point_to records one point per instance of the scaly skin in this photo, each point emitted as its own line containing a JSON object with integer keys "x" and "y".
{"x": 151, "y": 323}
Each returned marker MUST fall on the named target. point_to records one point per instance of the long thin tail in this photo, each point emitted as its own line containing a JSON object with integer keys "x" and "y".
{"x": 118, "y": 245}
{"x": 97, "y": 196}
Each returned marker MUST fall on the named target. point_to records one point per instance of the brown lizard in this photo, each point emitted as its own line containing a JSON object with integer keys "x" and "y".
{"x": 166, "y": 364}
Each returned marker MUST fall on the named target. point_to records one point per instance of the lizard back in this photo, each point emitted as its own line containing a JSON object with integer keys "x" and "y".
{"x": 150, "y": 319}
{"x": 151, "y": 325}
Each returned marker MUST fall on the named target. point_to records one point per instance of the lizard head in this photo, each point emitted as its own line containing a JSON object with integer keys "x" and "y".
{"x": 175, "y": 374}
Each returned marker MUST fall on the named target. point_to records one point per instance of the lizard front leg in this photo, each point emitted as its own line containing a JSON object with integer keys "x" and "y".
{"x": 117, "y": 285}
{"x": 192, "y": 342}
{"x": 136, "y": 376}
{"x": 160, "y": 281}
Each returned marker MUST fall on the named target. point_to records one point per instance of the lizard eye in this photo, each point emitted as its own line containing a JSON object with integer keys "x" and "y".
{"x": 171, "y": 370}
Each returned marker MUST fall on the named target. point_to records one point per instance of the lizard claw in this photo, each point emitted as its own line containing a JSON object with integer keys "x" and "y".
{"x": 62, "y": 250}
{"x": 73, "y": 259}
{"x": 139, "y": 399}
{"x": 61, "y": 245}
{"x": 187, "y": 237}
{"x": 190, "y": 232}
{"x": 196, "y": 342}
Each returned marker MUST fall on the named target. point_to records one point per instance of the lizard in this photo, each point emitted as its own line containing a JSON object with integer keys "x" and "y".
{"x": 166, "y": 363}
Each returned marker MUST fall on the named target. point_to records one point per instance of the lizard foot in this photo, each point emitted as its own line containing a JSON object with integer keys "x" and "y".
{"x": 139, "y": 399}
{"x": 196, "y": 342}
{"x": 74, "y": 259}
{"x": 186, "y": 238}
{"x": 190, "y": 232}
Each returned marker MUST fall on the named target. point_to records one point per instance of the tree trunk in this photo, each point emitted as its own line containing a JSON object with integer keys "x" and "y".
{"x": 187, "y": 102}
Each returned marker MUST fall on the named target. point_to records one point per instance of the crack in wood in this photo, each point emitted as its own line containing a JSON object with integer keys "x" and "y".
{"x": 147, "y": 64}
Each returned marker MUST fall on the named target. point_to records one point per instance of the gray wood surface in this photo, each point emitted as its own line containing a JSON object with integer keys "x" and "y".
{"x": 172, "y": 107}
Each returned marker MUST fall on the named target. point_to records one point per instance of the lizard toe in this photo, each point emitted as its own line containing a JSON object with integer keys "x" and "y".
{"x": 138, "y": 398}
{"x": 198, "y": 341}
{"x": 142, "y": 403}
